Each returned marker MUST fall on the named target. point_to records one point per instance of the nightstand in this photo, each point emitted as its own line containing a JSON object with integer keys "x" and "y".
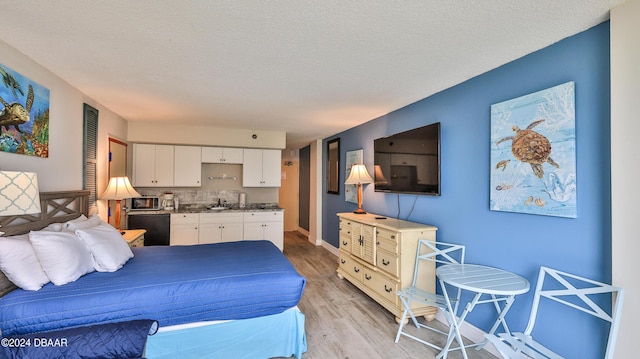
{"x": 135, "y": 237}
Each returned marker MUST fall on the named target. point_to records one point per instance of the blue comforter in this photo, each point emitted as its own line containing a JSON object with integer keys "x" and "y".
{"x": 173, "y": 285}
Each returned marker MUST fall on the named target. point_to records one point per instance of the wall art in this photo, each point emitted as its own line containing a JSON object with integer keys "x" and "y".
{"x": 24, "y": 115}
{"x": 533, "y": 153}
{"x": 351, "y": 190}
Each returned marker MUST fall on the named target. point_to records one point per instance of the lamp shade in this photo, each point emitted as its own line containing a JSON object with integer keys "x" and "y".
{"x": 119, "y": 188}
{"x": 358, "y": 175}
{"x": 19, "y": 193}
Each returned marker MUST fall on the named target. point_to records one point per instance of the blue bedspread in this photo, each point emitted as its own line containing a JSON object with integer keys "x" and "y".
{"x": 173, "y": 285}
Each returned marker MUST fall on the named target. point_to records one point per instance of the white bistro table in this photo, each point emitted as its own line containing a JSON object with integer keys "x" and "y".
{"x": 498, "y": 284}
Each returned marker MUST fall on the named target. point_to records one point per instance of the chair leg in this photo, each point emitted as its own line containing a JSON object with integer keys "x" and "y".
{"x": 402, "y": 321}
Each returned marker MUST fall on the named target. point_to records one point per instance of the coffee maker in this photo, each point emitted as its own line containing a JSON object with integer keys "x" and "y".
{"x": 168, "y": 202}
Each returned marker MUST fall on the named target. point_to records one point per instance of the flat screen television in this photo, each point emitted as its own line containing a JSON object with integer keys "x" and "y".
{"x": 409, "y": 162}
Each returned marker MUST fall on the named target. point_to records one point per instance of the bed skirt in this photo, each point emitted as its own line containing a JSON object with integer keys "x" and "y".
{"x": 278, "y": 335}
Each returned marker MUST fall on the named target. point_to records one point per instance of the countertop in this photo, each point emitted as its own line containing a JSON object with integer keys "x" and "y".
{"x": 200, "y": 208}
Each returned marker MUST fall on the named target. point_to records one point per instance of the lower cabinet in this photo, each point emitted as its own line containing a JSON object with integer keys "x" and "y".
{"x": 202, "y": 228}
{"x": 184, "y": 229}
{"x": 266, "y": 225}
{"x": 378, "y": 256}
{"x": 220, "y": 227}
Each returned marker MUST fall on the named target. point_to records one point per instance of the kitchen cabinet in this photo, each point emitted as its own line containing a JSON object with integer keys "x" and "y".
{"x": 184, "y": 229}
{"x": 220, "y": 227}
{"x": 228, "y": 155}
{"x": 261, "y": 168}
{"x": 153, "y": 165}
{"x": 266, "y": 225}
{"x": 187, "y": 166}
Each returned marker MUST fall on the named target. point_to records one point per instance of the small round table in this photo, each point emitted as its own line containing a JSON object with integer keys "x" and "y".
{"x": 500, "y": 285}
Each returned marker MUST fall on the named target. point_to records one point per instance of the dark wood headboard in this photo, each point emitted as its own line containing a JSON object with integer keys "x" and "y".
{"x": 56, "y": 207}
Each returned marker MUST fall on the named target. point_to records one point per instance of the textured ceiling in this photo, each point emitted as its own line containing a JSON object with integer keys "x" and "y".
{"x": 310, "y": 68}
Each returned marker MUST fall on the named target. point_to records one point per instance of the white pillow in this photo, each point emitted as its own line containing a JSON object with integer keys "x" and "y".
{"x": 62, "y": 255}
{"x": 54, "y": 227}
{"x": 20, "y": 264}
{"x": 110, "y": 250}
{"x": 82, "y": 223}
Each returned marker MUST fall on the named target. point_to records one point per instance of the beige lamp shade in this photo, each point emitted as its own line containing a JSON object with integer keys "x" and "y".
{"x": 358, "y": 175}
{"x": 19, "y": 193}
{"x": 119, "y": 188}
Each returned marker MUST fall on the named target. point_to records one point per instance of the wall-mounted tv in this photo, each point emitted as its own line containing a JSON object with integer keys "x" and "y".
{"x": 409, "y": 162}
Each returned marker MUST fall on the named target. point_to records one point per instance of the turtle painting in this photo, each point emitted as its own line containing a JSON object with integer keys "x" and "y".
{"x": 15, "y": 114}
{"x": 531, "y": 147}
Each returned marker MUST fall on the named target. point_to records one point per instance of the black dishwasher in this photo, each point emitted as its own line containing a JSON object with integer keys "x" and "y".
{"x": 157, "y": 225}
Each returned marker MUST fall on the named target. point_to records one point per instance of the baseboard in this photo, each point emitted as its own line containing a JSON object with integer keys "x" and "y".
{"x": 330, "y": 248}
{"x": 472, "y": 333}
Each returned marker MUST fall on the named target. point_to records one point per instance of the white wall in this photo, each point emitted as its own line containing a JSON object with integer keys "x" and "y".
{"x": 154, "y": 132}
{"x": 625, "y": 172}
{"x": 62, "y": 170}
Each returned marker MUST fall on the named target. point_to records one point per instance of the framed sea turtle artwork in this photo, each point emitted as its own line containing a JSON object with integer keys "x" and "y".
{"x": 533, "y": 153}
{"x": 24, "y": 115}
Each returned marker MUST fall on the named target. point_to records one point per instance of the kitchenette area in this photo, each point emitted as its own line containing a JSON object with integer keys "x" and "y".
{"x": 203, "y": 194}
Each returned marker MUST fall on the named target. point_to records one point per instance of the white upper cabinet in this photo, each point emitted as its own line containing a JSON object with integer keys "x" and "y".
{"x": 153, "y": 165}
{"x": 187, "y": 166}
{"x": 222, "y": 155}
{"x": 261, "y": 168}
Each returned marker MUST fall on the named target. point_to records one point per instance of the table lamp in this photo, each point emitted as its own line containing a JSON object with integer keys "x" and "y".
{"x": 118, "y": 189}
{"x": 18, "y": 194}
{"x": 359, "y": 176}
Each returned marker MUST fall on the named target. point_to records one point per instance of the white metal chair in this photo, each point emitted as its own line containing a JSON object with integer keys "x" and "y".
{"x": 574, "y": 292}
{"x": 429, "y": 251}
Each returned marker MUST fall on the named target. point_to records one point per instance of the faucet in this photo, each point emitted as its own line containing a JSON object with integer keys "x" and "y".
{"x": 219, "y": 204}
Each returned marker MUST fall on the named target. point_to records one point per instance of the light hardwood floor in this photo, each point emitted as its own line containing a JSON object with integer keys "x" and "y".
{"x": 342, "y": 322}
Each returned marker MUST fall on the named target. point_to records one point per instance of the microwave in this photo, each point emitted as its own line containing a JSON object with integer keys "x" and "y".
{"x": 145, "y": 204}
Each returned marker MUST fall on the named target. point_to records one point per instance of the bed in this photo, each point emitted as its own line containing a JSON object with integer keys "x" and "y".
{"x": 217, "y": 300}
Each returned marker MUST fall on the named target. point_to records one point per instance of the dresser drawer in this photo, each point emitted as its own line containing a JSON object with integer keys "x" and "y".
{"x": 388, "y": 235}
{"x": 386, "y": 245}
{"x": 388, "y": 262}
{"x": 345, "y": 242}
{"x": 138, "y": 242}
{"x": 350, "y": 266}
{"x": 381, "y": 284}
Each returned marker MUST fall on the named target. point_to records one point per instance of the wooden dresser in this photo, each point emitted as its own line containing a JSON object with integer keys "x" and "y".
{"x": 378, "y": 256}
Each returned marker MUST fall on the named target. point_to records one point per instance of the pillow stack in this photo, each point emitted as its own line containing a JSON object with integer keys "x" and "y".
{"x": 62, "y": 252}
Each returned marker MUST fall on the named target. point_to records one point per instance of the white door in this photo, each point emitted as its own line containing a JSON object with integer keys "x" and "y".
{"x": 271, "y": 168}
{"x": 187, "y": 166}
{"x": 184, "y": 234}
{"x": 232, "y": 232}
{"x": 209, "y": 233}
{"x": 252, "y": 168}
{"x": 164, "y": 165}
{"x": 144, "y": 165}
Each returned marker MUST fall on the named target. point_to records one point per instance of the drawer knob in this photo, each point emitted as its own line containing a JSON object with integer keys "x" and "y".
{"x": 387, "y": 289}
{"x": 385, "y": 262}
{"x": 367, "y": 277}
{"x": 344, "y": 243}
{"x": 393, "y": 237}
{"x": 343, "y": 261}
{"x": 356, "y": 269}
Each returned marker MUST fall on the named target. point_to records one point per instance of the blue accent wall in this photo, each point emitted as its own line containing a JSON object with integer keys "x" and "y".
{"x": 520, "y": 243}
